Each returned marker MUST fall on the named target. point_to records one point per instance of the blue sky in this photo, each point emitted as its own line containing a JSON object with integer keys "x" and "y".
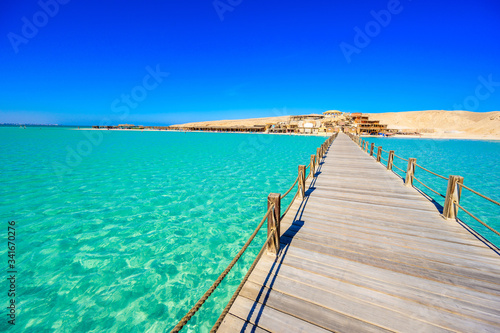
{"x": 165, "y": 62}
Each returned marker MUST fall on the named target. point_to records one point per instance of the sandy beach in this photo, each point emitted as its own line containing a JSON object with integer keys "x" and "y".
{"x": 432, "y": 124}
{"x": 444, "y": 124}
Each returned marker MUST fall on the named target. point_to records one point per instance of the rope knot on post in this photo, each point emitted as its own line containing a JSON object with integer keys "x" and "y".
{"x": 410, "y": 171}
{"x": 452, "y": 197}
{"x": 313, "y": 165}
{"x": 302, "y": 181}
{"x": 318, "y": 157}
{"x": 273, "y": 223}
{"x": 390, "y": 160}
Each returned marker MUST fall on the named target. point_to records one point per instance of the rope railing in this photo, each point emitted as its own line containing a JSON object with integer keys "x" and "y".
{"x": 429, "y": 171}
{"x": 475, "y": 218}
{"x": 272, "y": 208}
{"x": 394, "y": 165}
{"x": 481, "y": 195}
{"x": 221, "y": 277}
{"x": 240, "y": 286}
{"x": 418, "y": 180}
{"x": 452, "y": 196}
{"x": 291, "y": 187}
{"x": 404, "y": 159}
{"x": 289, "y": 205}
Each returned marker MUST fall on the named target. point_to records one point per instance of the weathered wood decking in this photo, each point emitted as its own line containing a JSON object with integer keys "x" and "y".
{"x": 362, "y": 253}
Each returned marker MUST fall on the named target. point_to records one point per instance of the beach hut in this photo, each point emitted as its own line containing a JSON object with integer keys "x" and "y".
{"x": 332, "y": 113}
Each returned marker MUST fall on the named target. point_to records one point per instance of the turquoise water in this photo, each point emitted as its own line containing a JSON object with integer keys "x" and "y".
{"x": 477, "y": 161}
{"x": 123, "y": 231}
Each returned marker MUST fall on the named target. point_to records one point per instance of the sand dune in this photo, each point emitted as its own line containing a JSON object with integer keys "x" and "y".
{"x": 237, "y": 122}
{"x": 445, "y": 123}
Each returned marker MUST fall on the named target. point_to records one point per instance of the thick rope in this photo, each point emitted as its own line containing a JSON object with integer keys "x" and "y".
{"x": 245, "y": 278}
{"x": 221, "y": 277}
{"x": 385, "y": 151}
{"x": 394, "y": 165}
{"x": 415, "y": 178}
{"x": 290, "y": 205}
{"x": 475, "y": 218}
{"x": 383, "y": 159}
{"x": 404, "y": 159}
{"x": 429, "y": 171}
{"x": 481, "y": 195}
{"x": 284, "y": 195}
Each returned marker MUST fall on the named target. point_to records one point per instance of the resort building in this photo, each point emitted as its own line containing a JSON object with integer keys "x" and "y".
{"x": 332, "y": 113}
{"x": 329, "y": 122}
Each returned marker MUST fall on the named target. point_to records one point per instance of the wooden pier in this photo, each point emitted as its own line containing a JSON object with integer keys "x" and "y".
{"x": 361, "y": 252}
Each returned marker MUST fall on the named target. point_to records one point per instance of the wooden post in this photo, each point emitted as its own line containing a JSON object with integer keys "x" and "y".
{"x": 371, "y": 149}
{"x": 379, "y": 153}
{"x": 318, "y": 158}
{"x": 313, "y": 165}
{"x": 366, "y": 146}
{"x": 410, "y": 171}
{"x": 302, "y": 181}
{"x": 452, "y": 194}
{"x": 362, "y": 144}
{"x": 273, "y": 223}
{"x": 390, "y": 159}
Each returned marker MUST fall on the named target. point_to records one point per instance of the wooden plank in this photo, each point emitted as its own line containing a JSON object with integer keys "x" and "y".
{"x": 362, "y": 252}
{"x": 388, "y": 311}
{"x": 428, "y": 260}
{"x": 367, "y": 211}
{"x": 309, "y": 312}
{"x": 435, "y": 295}
{"x": 307, "y": 260}
{"x": 353, "y": 220}
{"x": 472, "y": 280}
{"x": 378, "y": 240}
{"x": 372, "y": 226}
{"x": 270, "y": 319}
{"x": 232, "y": 324}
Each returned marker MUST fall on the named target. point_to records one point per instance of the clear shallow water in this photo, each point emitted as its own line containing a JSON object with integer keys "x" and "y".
{"x": 477, "y": 161}
{"x": 123, "y": 231}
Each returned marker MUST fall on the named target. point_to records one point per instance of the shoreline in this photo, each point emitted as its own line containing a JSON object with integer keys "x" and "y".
{"x": 181, "y": 131}
{"x": 444, "y": 136}
{"x": 436, "y": 136}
